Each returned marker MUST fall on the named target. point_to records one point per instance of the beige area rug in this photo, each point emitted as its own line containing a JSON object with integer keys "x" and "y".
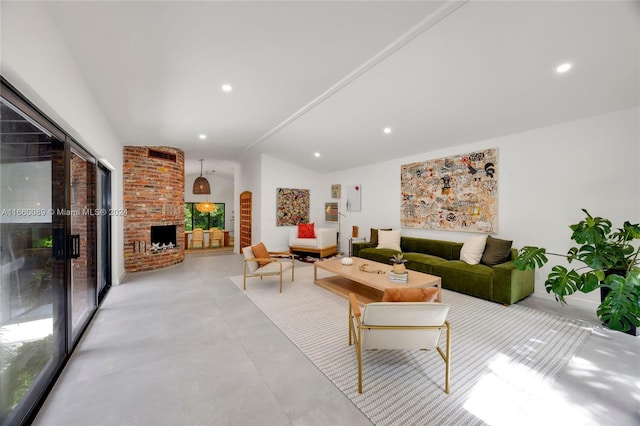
{"x": 504, "y": 359}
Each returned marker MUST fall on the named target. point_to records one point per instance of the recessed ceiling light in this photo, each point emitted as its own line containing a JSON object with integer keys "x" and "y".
{"x": 317, "y": 154}
{"x": 202, "y": 136}
{"x": 562, "y": 68}
{"x": 227, "y": 88}
{"x": 387, "y": 130}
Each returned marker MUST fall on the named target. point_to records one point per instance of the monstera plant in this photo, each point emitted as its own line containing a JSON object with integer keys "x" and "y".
{"x": 608, "y": 261}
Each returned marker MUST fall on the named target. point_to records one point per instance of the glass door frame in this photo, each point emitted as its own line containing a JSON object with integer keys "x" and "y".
{"x": 103, "y": 199}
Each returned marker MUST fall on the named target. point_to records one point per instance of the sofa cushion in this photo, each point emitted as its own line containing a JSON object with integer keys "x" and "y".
{"x": 306, "y": 230}
{"x": 374, "y": 236}
{"x": 422, "y": 262}
{"x": 472, "y": 249}
{"x": 496, "y": 251}
{"x": 410, "y": 294}
{"x": 378, "y": 255}
{"x": 389, "y": 240}
{"x": 448, "y": 250}
{"x": 303, "y": 242}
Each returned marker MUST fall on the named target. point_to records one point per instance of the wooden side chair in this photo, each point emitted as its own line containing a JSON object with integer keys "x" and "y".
{"x": 215, "y": 236}
{"x": 197, "y": 238}
{"x": 259, "y": 262}
{"x": 399, "y": 325}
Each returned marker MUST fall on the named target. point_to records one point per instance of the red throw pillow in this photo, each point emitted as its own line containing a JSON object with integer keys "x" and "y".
{"x": 261, "y": 252}
{"x": 306, "y": 230}
{"x": 429, "y": 294}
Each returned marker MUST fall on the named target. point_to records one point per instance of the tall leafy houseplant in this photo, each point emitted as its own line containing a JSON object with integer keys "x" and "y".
{"x": 609, "y": 261}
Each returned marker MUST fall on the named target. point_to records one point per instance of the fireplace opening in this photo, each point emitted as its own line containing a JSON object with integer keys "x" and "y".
{"x": 163, "y": 237}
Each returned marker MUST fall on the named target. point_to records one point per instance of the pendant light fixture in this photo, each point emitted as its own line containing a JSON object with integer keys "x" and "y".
{"x": 201, "y": 185}
{"x": 206, "y": 207}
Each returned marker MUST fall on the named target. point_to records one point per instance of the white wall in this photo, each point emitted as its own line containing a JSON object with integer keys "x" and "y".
{"x": 545, "y": 177}
{"x": 35, "y": 60}
{"x": 279, "y": 174}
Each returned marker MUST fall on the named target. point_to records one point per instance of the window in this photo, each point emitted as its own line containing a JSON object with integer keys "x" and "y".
{"x": 195, "y": 219}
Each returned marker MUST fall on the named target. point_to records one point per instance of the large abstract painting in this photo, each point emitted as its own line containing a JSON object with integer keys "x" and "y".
{"x": 457, "y": 193}
{"x": 292, "y": 206}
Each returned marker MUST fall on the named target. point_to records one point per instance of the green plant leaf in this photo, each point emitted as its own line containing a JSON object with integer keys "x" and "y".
{"x": 530, "y": 258}
{"x": 562, "y": 282}
{"x": 628, "y": 232}
{"x": 601, "y": 256}
{"x": 621, "y": 308}
{"x": 591, "y": 230}
{"x": 572, "y": 254}
{"x": 590, "y": 281}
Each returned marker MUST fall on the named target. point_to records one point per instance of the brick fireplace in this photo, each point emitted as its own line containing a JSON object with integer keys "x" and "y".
{"x": 153, "y": 179}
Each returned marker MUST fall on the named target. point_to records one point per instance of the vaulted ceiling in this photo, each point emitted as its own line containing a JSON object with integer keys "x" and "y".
{"x": 328, "y": 76}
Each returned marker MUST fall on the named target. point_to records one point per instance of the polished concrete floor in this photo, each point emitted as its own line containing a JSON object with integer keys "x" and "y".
{"x": 185, "y": 346}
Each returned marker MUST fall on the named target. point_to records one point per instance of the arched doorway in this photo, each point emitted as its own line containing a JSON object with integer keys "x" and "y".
{"x": 245, "y": 219}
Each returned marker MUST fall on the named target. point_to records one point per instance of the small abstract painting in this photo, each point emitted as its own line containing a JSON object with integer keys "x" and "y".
{"x": 457, "y": 193}
{"x": 292, "y": 206}
{"x": 336, "y": 191}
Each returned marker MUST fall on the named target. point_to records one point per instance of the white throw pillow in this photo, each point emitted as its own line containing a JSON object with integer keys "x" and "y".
{"x": 390, "y": 240}
{"x": 472, "y": 249}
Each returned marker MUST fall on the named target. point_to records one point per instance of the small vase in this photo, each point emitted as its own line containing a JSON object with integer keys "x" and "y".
{"x": 399, "y": 268}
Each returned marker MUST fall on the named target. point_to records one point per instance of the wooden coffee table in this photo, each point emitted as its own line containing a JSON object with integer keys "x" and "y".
{"x": 368, "y": 287}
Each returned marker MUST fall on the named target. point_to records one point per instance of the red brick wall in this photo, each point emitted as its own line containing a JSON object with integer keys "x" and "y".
{"x": 153, "y": 195}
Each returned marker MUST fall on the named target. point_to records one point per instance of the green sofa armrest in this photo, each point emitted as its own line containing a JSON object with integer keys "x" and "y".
{"x": 357, "y": 246}
{"x": 511, "y": 284}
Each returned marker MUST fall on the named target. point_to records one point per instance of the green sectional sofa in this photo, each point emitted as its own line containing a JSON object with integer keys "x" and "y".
{"x": 501, "y": 283}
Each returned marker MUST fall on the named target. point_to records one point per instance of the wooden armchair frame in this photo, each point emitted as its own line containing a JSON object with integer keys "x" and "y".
{"x": 269, "y": 269}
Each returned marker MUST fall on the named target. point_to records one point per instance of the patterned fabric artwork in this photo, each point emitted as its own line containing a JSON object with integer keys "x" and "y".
{"x": 458, "y": 193}
{"x": 292, "y": 206}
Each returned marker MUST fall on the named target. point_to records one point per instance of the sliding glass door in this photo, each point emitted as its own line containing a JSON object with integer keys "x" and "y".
{"x": 82, "y": 241}
{"x": 48, "y": 253}
{"x": 32, "y": 261}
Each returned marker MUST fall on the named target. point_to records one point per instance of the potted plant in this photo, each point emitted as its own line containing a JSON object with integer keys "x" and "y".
{"x": 398, "y": 261}
{"x": 610, "y": 262}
